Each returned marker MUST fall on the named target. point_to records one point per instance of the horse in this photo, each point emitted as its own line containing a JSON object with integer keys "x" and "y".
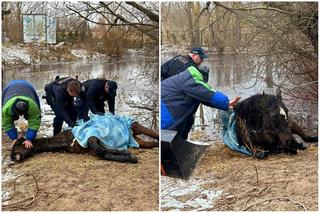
{"x": 65, "y": 142}
{"x": 265, "y": 127}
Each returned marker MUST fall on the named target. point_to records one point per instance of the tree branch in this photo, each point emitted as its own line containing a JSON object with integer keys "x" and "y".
{"x": 147, "y": 12}
{"x": 153, "y": 36}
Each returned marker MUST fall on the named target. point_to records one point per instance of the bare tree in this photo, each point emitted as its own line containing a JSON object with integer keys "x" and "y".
{"x": 141, "y": 16}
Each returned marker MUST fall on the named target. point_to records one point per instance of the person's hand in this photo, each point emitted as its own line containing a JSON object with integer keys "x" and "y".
{"x": 234, "y": 102}
{"x": 27, "y": 144}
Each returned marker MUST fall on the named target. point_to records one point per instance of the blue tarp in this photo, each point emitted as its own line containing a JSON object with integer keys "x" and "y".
{"x": 114, "y": 131}
{"x": 229, "y": 133}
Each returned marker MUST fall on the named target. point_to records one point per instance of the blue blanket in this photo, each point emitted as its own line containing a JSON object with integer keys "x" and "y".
{"x": 229, "y": 133}
{"x": 114, "y": 131}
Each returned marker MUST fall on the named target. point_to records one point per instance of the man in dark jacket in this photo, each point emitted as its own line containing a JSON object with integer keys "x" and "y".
{"x": 97, "y": 91}
{"x": 60, "y": 96}
{"x": 181, "y": 63}
{"x": 19, "y": 98}
{"x": 181, "y": 95}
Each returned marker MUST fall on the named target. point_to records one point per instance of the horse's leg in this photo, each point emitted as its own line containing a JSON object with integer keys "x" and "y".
{"x": 145, "y": 144}
{"x": 296, "y": 129}
{"x": 111, "y": 154}
{"x": 95, "y": 145}
{"x": 137, "y": 129}
{"x": 121, "y": 158}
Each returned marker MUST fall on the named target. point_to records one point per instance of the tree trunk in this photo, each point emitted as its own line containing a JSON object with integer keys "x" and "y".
{"x": 196, "y": 28}
{"x": 190, "y": 27}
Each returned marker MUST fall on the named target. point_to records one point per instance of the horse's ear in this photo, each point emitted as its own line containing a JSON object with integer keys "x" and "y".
{"x": 263, "y": 93}
{"x": 278, "y": 93}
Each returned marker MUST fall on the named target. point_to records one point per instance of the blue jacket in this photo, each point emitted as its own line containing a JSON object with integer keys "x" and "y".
{"x": 181, "y": 95}
{"x": 176, "y": 65}
{"x": 95, "y": 93}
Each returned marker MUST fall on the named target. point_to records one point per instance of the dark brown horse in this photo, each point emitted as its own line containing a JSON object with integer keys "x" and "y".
{"x": 264, "y": 126}
{"x": 64, "y": 142}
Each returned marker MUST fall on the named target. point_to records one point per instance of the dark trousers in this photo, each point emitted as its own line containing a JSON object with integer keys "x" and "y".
{"x": 58, "y": 121}
{"x": 184, "y": 128}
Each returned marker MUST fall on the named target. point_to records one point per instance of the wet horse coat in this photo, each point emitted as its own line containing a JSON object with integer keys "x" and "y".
{"x": 263, "y": 126}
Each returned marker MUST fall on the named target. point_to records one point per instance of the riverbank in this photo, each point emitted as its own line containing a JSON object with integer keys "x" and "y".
{"x": 40, "y": 53}
{"x": 75, "y": 182}
{"x": 230, "y": 181}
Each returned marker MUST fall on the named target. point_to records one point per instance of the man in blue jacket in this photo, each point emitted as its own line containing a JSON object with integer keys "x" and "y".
{"x": 181, "y": 95}
{"x": 180, "y": 63}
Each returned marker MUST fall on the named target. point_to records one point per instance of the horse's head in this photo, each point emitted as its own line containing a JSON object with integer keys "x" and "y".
{"x": 275, "y": 123}
{"x": 19, "y": 152}
{"x": 266, "y": 118}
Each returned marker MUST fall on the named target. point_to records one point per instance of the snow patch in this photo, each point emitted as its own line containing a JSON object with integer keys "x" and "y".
{"x": 15, "y": 55}
{"x": 200, "y": 198}
{"x": 80, "y": 53}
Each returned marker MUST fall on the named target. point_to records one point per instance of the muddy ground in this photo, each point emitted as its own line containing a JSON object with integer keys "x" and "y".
{"x": 229, "y": 181}
{"x": 62, "y": 181}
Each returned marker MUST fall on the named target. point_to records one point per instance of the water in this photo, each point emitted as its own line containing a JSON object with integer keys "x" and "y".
{"x": 137, "y": 79}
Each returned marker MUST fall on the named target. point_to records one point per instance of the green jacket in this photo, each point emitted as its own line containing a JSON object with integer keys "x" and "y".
{"x": 34, "y": 118}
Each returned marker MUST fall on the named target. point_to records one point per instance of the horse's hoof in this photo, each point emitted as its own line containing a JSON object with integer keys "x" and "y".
{"x": 133, "y": 158}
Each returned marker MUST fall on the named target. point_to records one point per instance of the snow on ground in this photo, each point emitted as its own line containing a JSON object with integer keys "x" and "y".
{"x": 201, "y": 199}
{"x": 20, "y": 55}
{"x": 80, "y": 53}
{"x": 15, "y": 55}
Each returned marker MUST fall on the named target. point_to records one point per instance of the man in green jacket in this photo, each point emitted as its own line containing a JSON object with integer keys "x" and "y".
{"x": 19, "y": 98}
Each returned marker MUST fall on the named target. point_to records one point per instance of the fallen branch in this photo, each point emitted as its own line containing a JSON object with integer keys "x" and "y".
{"x": 20, "y": 204}
{"x": 276, "y": 198}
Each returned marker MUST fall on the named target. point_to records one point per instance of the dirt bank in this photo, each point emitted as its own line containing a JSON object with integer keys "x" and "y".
{"x": 279, "y": 183}
{"x": 62, "y": 181}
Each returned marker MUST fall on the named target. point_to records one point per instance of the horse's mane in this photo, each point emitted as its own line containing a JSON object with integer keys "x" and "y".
{"x": 256, "y": 103}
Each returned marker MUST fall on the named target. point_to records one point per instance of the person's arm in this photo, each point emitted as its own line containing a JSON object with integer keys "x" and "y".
{"x": 90, "y": 94}
{"x": 34, "y": 120}
{"x": 61, "y": 110}
{"x": 165, "y": 69}
{"x": 111, "y": 104}
{"x": 196, "y": 88}
{"x": 7, "y": 123}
